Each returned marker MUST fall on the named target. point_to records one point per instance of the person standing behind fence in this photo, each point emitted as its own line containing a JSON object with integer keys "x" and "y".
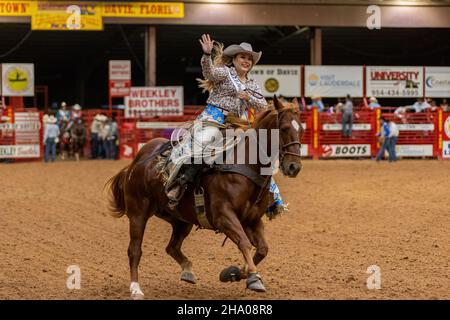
{"x": 112, "y": 139}
{"x": 347, "y": 117}
{"x": 95, "y": 130}
{"x": 393, "y": 136}
{"x": 51, "y": 135}
{"x": 384, "y": 139}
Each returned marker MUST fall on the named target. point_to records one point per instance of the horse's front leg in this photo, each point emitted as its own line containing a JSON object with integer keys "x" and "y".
{"x": 229, "y": 224}
{"x": 256, "y": 235}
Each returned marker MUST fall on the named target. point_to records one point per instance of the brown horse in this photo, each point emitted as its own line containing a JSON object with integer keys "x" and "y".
{"x": 77, "y": 138}
{"x": 234, "y": 204}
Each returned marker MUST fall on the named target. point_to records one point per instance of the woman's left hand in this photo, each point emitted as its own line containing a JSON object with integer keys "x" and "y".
{"x": 244, "y": 95}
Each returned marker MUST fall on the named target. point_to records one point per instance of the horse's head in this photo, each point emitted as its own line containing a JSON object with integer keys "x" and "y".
{"x": 290, "y": 133}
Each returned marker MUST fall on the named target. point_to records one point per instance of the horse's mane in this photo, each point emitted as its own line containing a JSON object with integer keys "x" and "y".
{"x": 267, "y": 114}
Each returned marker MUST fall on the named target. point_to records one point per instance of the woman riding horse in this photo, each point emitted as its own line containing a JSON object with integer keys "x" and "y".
{"x": 231, "y": 93}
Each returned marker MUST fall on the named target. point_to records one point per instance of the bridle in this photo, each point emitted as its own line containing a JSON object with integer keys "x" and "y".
{"x": 283, "y": 152}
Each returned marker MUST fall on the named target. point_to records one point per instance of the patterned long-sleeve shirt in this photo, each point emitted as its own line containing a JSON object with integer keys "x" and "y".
{"x": 224, "y": 94}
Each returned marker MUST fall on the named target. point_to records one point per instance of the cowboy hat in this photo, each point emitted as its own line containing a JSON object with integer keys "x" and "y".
{"x": 77, "y": 107}
{"x": 373, "y": 99}
{"x": 244, "y": 47}
{"x": 314, "y": 97}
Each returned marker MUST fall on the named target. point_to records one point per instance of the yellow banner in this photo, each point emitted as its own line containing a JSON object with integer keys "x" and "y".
{"x": 56, "y": 15}
{"x": 144, "y": 10}
{"x": 17, "y": 8}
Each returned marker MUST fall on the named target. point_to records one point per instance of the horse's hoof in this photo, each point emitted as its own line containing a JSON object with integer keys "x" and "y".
{"x": 137, "y": 296}
{"x": 188, "y": 277}
{"x": 254, "y": 283}
{"x": 230, "y": 274}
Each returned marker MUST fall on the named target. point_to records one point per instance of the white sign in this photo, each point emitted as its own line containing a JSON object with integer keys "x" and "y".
{"x": 20, "y": 151}
{"x": 119, "y": 70}
{"x": 414, "y": 150}
{"x": 437, "y": 82}
{"x": 445, "y": 149}
{"x": 304, "y": 150}
{"x": 279, "y": 80}
{"x": 27, "y": 126}
{"x": 346, "y": 150}
{"x": 154, "y": 101}
{"x": 333, "y": 81}
{"x": 158, "y": 125}
{"x": 387, "y": 81}
{"x": 17, "y": 79}
{"x": 338, "y": 127}
{"x": 415, "y": 127}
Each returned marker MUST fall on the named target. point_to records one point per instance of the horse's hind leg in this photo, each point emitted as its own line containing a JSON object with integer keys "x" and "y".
{"x": 180, "y": 230}
{"x": 138, "y": 221}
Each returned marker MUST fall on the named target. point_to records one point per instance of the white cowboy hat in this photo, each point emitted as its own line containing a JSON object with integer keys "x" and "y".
{"x": 77, "y": 107}
{"x": 244, "y": 47}
{"x": 373, "y": 99}
{"x": 51, "y": 119}
{"x": 103, "y": 117}
{"x": 314, "y": 97}
{"x": 98, "y": 117}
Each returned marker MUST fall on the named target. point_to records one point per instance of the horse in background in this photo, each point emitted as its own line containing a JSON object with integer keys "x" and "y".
{"x": 64, "y": 139}
{"x": 78, "y": 134}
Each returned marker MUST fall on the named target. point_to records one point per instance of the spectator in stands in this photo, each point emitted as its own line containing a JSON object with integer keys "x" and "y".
{"x": 347, "y": 117}
{"x": 96, "y": 127}
{"x": 419, "y": 106}
{"x": 383, "y": 136}
{"x": 393, "y": 136}
{"x": 317, "y": 103}
{"x": 373, "y": 103}
{"x": 51, "y": 135}
{"x": 444, "y": 106}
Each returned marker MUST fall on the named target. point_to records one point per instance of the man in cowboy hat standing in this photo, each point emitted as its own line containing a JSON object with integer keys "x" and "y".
{"x": 51, "y": 135}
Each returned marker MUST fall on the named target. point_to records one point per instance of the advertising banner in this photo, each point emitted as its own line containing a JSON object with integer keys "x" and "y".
{"x": 143, "y": 9}
{"x": 333, "y": 81}
{"x": 446, "y": 136}
{"x": 414, "y": 150}
{"x": 17, "y": 79}
{"x": 17, "y": 8}
{"x": 119, "y": 78}
{"x": 346, "y": 150}
{"x": 437, "y": 82}
{"x": 154, "y": 101}
{"x": 20, "y": 151}
{"x": 279, "y": 80}
{"x": 58, "y": 15}
{"x": 389, "y": 81}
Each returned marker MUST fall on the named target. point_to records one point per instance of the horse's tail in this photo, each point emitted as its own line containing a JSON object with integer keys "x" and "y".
{"x": 116, "y": 196}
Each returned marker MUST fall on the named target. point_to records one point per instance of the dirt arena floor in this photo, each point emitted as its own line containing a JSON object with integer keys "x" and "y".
{"x": 345, "y": 216}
